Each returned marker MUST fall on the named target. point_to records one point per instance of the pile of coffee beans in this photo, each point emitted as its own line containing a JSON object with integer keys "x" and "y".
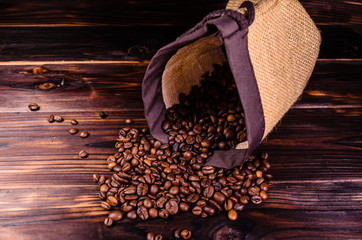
{"x": 156, "y": 180}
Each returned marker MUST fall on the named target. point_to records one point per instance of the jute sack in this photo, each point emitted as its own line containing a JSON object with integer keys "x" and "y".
{"x": 271, "y": 53}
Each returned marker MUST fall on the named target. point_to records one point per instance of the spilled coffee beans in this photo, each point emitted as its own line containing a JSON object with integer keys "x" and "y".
{"x": 151, "y": 179}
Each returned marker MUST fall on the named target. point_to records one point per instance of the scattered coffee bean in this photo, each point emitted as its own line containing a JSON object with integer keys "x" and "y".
{"x": 73, "y": 131}
{"x": 150, "y": 236}
{"x": 33, "y": 107}
{"x": 128, "y": 121}
{"x": 83, "y": 154}
{"x": 84, "y": 134}
{"x": 51, "y": 118}
{"x": 108, "y": 221}
{"x": 232, "y": 215}
{"x": 39, "y": 70}
{"x": 103, "y": 115}
{"x": 74, "y": 122}
{"x": 58, "y": 118}
{"x": 185, "y": 234}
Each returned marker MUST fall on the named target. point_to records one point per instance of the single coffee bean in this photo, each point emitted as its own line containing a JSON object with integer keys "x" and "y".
{"x": 105, "y": 205}
{"x": 103, "y": 115}
{"x": 264, "y": 186}
{"x": 232, "y": 215}
{"x": 142, "y": 189}
{"x": 209, "y": 191}
{"x": 150, "y": 236}
{"x": 73, "y": 131}
{"x": 158, "y": 237}
{"x": 112, "y": 200}
{"x": 153, "y": 212}
{"x": 184, "y": 207}
{"x": 263, "y": 195}
{"x": 172, "y": 207}
{"x": 74, "y": 122}
{"x": 115, "y": 215}
{"x": 132, "y": 215}
{"x": 104, "y": 188}
{"x": 185, "y": 234}
{"x": 83, "y": 154}
{"x": 239, "y": 207}
{"x": 209, "y": 210}
{"x": 256, "y": 199}
{"x": 58, "y": 118}
{"x": 51, "y": 118}
{"x": 84, "y": 134}
{"x": 163, "y": 213}
{"x": 228, "y": 205}
{"x": 219, "y": 197}
{"x": 142, "y": 213}
{"x": 108, "y": 221}
{"x": 197, "y": 210}
{"x": 177, "y": 233}
{"x": 128, "y": 121}
{"x": 33, "y": 107}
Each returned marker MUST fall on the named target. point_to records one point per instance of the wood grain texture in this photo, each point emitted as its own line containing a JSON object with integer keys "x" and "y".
{"x": 142, "y": 12}
{"x": 133, "y": 43}
{"x": 315, "y": 152}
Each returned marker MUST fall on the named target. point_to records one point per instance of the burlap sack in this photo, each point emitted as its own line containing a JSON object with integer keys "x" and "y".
{"x": 283, "y": 44}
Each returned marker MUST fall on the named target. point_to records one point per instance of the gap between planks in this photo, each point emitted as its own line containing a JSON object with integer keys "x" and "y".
{"x": 144, "y": 62}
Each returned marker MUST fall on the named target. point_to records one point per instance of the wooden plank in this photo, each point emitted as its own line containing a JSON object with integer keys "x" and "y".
{"x": 133, "y": 43}
{"x": 142, "y": 12}
{"x": 334, "y": 84}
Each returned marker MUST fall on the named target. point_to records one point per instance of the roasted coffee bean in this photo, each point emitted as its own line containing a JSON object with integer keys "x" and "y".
{"x": 184, "y": 207}
{"x": 209, "y": 210}
{"x": 192, "y": 198}
{"x": 228, "y": 205}
{"x": 263, "y": 195}
{"x": 51, "y": 118}
{"x": 103, "y": 115}
{"x": 142, "y": 189}
{"x": 58, "y": 118}
{"x": 112, "y": 200}
{"x": 33, "y": 107}
{"x": 84, "y": 134}
{"x": 185, "y": 234}
{"x": 244, "y": 199}
{"x": 150, "y": 236}
{"x": 132, "y": 215}
{"x": 172, "y": 207}
{"x": 232, "y": 215}
{"x": 256, "y": 199}
{"x": 163, "y": 213}
{"x": 153, "y": 212}
{"x": 239, "y": 207}
{"x": 108, "y": 221}
{"x": 105, "y": 205}
{"x": 158, "y": 237}
{"x": 264, "y": 186}
{"x": 197, "y": 210}
{"x": 104, "y": 188}
{"x": 215, "y": 205}
{"x": 219, "y": 197}
{"x": 73, "y": 122}
{"x": 209, "y": 192}
{"x": 128, "y": 121}
{"x": 142, "y": 213}
{"x": 115, "y": 215}
{"x": 177, "y": 233}
{"x": 83, "y": 154}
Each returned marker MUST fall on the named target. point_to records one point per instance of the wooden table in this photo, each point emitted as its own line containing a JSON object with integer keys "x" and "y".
{"x": 97, "y": 53}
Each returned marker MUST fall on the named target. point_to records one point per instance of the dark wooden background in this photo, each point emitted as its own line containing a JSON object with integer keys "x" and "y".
{"x": 97, "y": 52}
